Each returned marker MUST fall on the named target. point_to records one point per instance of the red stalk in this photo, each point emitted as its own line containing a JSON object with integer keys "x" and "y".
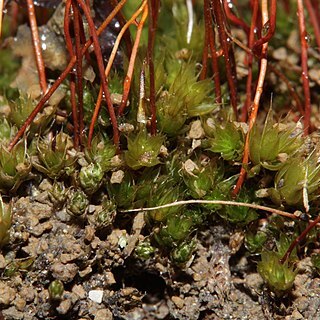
{"x": 271, "y": 26}
{"x": 79, "y": 79}
{"x": 152, "y": 28}
{"x": 304, "y": 66}
{"x": 227, "y": 52}
{"x": 297, "y": 240}
{"x": 128, "y": 78}
{"x": 73, "y": 101}
{"x": 314, "y": 21}
{"x": 244, "y": 111}
{"x": 37, "y": 46}
{"x": 255, "y": 105}
{"x": 233, "y": 18}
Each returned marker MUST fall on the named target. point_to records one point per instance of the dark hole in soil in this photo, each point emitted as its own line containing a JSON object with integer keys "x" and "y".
{"x": 180, "y": 276}
{"x": 148, "y": 282}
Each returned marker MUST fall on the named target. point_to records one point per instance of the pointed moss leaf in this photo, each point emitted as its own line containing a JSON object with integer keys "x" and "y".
{"x": 228, "y": 141}
{"x": 201, "y": 109}
{"x": 143, "y": 150}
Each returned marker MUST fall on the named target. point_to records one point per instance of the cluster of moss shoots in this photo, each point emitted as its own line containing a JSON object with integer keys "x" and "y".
{"x": 195, "y": 155}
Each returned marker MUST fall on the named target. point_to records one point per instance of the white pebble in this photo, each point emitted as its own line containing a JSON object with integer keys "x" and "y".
{"x": 96, "y": 295}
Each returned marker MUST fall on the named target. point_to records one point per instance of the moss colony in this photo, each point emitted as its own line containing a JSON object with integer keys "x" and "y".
{"x": 157, "y": 106}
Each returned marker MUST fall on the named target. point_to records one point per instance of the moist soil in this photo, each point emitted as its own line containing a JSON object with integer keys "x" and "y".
{"x": 104, "y": 280}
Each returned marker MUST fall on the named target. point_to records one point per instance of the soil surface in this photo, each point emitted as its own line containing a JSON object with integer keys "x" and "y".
{"x": 103, "y": 280}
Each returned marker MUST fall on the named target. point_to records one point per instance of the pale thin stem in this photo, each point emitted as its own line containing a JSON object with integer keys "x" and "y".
{"x": 216, "y": 202}
{"x": 190, "y": 20}
{"x": 1, "y": 14}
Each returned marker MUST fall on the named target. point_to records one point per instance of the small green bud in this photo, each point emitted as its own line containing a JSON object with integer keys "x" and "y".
{"x": 144, "y": 250}
{"x": 21, "y": 109}
{"x": 105, "y": 215}
{"x": 91, "y": 177}
{"x": 177, "y": 229}
{"x": 186, "y": 97}
{"x": 198, "y": 177}
{"x": 265, "y": 146}
{"x": 77, "y": 203}
{"x": 228, "y": 141}
{"x": 54, "y": 156}
{"x": 123, "y": 193}
{"x": 278, "y": 276}
{"x": 297, "y": 181}
{"x": 143, "y": 150}
{"x": 56, "y": 289}
{"x": 11, "y": 269}
{"x": 101, "y": 152}
{"x": 180, "y": 226}
{"x": 183, "y": 252}
{"x": 163, "y": 192}
{"x": 58, "y": 193}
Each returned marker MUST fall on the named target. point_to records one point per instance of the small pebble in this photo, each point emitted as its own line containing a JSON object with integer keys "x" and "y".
{"x": 103, "y": 314}
{"x": 79, "y": 291}
{"x": 177, "y": 301}
{"x": 64, "y": 306}
{"x": 96, "y": 295}
{"x": 7, "y": 294}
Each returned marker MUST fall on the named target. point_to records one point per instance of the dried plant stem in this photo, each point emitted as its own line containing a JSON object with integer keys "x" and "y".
{"x": 297, "y": 240}
{"x": 37, "y": 46}
{"x": 255, "y": 104}
{"x": 128, "y": 78}
{"x": 217, "y": 202}
{"x": 228, "y": 53}
{"x": 152, "y": 28}
{"x": 61, "y": 78}
{"x": 304, "y": 66}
